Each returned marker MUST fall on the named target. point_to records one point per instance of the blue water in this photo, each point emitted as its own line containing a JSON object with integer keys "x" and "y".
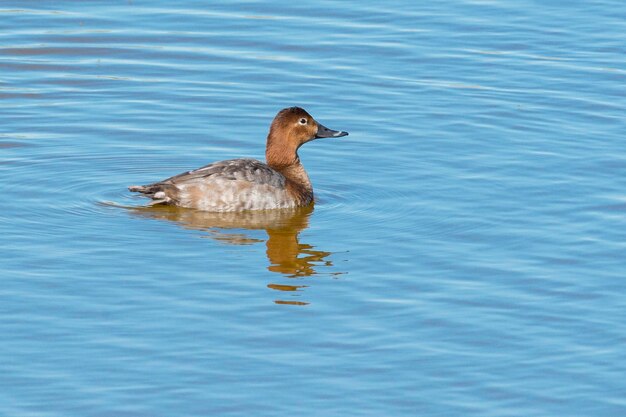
{"x": 465, "y": 255}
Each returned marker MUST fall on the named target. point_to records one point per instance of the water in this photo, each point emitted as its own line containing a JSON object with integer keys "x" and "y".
{"x": 465, "y": 256}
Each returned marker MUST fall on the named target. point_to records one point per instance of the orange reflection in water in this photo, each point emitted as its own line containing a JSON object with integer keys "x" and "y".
{"x": 285, "y": 253}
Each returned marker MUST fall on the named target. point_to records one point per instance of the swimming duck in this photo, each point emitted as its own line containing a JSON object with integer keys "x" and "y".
{"x": 248, "y": 184}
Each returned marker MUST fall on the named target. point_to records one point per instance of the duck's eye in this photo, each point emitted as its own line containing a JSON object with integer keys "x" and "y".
{"x": 302, "y": 121}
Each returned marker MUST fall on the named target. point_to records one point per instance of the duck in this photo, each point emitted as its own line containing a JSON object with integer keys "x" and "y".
{"x": 248, "y": 184}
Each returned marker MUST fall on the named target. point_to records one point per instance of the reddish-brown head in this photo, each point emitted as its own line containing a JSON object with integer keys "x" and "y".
{"x": 291, "y": 128}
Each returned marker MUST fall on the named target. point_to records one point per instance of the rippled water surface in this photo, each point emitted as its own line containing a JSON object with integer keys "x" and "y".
{"x": 465, "y": 255}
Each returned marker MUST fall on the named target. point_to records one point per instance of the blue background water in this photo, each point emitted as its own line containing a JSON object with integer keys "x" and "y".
{"x": 465, "y": 256}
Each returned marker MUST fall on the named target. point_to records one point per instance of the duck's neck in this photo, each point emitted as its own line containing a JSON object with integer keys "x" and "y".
{"x": 286, "y": 161}
{"x": 298, "y": 182}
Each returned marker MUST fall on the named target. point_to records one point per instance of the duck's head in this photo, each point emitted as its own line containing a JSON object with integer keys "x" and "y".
{"x": 291, "y": 128}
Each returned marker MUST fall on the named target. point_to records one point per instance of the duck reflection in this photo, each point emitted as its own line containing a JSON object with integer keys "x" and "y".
{"x": 285, "y": 253}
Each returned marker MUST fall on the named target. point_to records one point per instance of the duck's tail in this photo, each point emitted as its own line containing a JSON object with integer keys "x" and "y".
{"x": 160, "y": 193}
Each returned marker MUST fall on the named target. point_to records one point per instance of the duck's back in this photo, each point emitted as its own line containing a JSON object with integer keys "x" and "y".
{"x": 232, "y": 185}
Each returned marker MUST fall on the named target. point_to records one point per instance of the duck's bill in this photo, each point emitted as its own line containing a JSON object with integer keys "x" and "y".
{"x": 324, "y": 132}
